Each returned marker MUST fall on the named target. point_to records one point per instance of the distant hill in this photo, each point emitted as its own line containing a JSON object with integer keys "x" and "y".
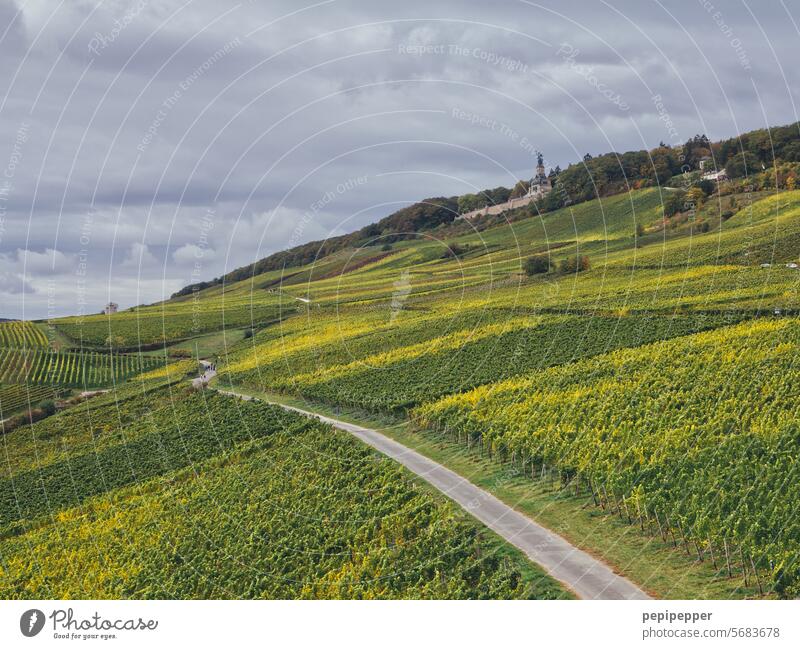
{"x": 402, "y": 224}
{"x": 593, "y": 177}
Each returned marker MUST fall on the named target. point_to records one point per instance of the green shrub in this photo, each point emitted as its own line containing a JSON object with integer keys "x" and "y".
{"x": 575, "y": 264}
{"x": 537, "y": 265}
{"x": 48, "y": 407}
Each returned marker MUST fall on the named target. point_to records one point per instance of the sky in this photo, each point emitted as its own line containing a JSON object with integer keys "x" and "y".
{"x": 149, "y": 144}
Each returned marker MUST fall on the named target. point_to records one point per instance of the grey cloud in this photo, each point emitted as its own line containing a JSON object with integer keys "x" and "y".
{"x": 120, "y": 138}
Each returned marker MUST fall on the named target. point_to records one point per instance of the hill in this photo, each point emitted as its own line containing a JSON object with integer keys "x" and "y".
{"x": 620, "y": 367}
{"x": 424, "y": 215}
{"x": 745, "y": 156}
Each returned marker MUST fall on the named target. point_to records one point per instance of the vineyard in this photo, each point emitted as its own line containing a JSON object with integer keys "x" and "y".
{"x": 160, "y": 325}
{"x": 703, "y": 449}
{"x": 409, "y": 375}
{"x": 70, "y": 369}
{"x": 307, "y": 511}
{"x": 21, "y": 335}
{"x": 660, "y": 383}
{"x": 14, "y": 398}
{"x": 657, "y": 384}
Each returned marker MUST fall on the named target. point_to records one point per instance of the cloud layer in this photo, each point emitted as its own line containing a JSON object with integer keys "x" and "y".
{"x": 129, "y": 126}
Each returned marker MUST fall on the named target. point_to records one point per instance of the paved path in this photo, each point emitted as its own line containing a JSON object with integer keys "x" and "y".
{"x": 206, "y": 376}
{"x": 586, "y": 576}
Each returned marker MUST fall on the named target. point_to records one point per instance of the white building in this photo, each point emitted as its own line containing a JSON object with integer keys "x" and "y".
{"x": 111, "y": 307}
{"x": 715, "y": 175}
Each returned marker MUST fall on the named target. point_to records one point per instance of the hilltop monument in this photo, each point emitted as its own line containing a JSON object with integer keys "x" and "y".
{"x": 540, "y": 183}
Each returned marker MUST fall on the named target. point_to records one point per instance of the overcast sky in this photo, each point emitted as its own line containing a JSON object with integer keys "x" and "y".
{"x": 146, "y": 144}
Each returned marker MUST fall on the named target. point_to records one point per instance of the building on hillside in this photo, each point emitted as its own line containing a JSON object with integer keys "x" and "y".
{"x": 715, "y": 175}
{"x": 706, "y": 162}
{"x": 111, "y": 307}
{"x": 540, "y": 183}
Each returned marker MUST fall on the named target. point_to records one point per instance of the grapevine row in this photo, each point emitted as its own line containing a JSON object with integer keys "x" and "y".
{"x": 70, "y": 369}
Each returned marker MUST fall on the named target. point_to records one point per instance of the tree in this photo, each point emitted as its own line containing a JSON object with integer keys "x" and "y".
{"x": 454, "y": 250}
{"x": 576, "y": 264}
{"x": 741, "y": 165}
{"x": 696, "y": 197}
{"x": 48, "y": 407}
{"x": 708, "y": 186}
{"x": 537, "y": 265}
{"x": 673, "y": 203}
{"x": 520, "y": 189}
{"x": 469, "y": 202}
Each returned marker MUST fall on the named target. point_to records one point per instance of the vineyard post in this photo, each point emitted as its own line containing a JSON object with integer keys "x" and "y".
{"x": 683, "y": 536}
{"x": 671, "y": 531}
{"x": 699, "y": 551}
{"x": 711, "y": 550}
{"x": 755, "y": 572}
{"x": 744, "y": 565}
{"x": 727, "y": 556}
{"x": 660, "y": 529}
{"x": 594, "y": 495}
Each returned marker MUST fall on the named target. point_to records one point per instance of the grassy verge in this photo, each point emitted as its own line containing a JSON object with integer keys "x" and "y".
{"x": 203, "y": 346}
{"x": 656, "y": 566}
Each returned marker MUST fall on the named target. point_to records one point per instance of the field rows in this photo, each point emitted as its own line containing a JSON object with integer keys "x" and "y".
{"x": 407, "y": 375}
{"x": 307, "y": 512}
{"x": 21, "y": 334}
{"x": 18, "y": 397}
{"x": 154, "y": 326}
{"x": 70, "y": 369}
{"x": 698, "y": 434}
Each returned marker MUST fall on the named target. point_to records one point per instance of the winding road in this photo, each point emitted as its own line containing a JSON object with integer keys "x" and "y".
{"x": 584, "y": 575}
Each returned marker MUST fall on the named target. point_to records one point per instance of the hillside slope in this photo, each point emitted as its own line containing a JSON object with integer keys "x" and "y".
{"x": 686, "y": 329}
